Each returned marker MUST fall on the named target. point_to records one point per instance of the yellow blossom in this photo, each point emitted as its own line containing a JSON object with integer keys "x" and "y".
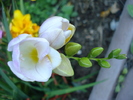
{"x": 21, "y": 24}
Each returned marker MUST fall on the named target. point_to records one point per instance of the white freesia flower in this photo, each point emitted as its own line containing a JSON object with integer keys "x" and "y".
{"x": 32, "y": 58}
{"x": 57, "y": 30}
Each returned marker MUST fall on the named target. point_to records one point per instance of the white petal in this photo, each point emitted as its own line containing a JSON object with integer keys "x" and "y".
{"x": 67, "y": 33}
{"x": 15, "y": 57}
{"x": 40, "y": 44}
{"x": 17, "y": 40}
{"x": 54, "y": 57}
{"x": 51, "y": 23}
{"x": 65, "y": 24}
{"x": 39, "y": 72}
{"x": 18, "y": 74}
{"x": 55, "y": 37}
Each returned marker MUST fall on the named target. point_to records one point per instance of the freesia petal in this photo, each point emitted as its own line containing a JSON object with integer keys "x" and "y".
{"x": 54, "y": 57}
{"x": 65, "y": 24}
{"x": 67, "y": 34}
{"x": 16, "y": 41}
{"x": 39, "y": 72}
{"x": 41, "y": 44}
{"x": 72, "y": 29}
{"x": 51, "y": 23}
{"x": 18, "y": 14}
{"x": 65, "y": 68}
{"x": 15, "y": 57}
{"x": 18, "y": 74}
{"x": 55, "y": 37}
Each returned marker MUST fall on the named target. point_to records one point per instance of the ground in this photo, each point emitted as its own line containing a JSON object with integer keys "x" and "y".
{"x": 92, "y": 30}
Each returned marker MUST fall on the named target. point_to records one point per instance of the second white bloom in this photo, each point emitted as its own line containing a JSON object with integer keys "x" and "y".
{"x": 57, "y": 30}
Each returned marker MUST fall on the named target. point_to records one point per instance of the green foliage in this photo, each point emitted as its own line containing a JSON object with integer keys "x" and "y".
{"x": 130, "y": 10}
{"x": 131, "y": 47}
{"x": 42, "y": 9}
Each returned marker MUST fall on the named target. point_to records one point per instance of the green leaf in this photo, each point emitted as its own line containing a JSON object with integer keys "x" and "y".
{"x": 114, "y": 53}
{"x": 131, "y": 48}
{"x": 67, "y": 9}
{"x": 121, "y": 78}
{"x": 19, "y": 94}
{"x": 22, "y": 6}
{"x": 125, "y": 71}
{"x": 130, "y": 10}
{"x": 104, "y": 64}
{"x": 72, "y": 89}
{"x": 118, "y": 88}
{"x": 6, "y": 24}
{"x": 95, "y": 52}
{"x": 84, "y": 62}
{"x": 72, "y": 48}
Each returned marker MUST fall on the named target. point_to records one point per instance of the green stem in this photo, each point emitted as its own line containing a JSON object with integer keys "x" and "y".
{"x": 75, "y": 58}
{"x": 99, "y": 59}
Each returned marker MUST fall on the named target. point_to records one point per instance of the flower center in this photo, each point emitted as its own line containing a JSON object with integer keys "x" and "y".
{"x": 34, "y": 55}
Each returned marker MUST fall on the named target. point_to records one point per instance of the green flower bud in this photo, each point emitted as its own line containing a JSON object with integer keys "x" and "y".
{"x": 121, "y": 56}
{"x": 114, "y": 53}
{"x": 65, "y": 68}
{"x": 95, "y": 52}
{"x": 85, "y": 62}
{"x": 104, "y": 64}
{"x": 72, "y": 48}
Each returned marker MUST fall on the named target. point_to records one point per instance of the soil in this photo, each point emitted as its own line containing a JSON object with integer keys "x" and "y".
{"x": 92, "y": 30}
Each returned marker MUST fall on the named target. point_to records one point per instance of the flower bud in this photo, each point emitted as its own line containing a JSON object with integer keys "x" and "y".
{"x": 95, "y": 52}
{"x": 72, "y": 48}
{"x": 85, "y": 62}
{"x": 114, "y": 53}
{"x": 104, "y": 64}
{"x": 65, "y": 68}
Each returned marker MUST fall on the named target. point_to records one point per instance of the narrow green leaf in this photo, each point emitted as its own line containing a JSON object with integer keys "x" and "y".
{"x": 6, "y": 24}
{"x": 131, "y": 48}
{"x": 5, "y": 87}
{"x": 69, "y": 90}
{"x": 12, "y": 85}
{"x": 22, "y": 6}
{"x": 85, "y": 77}
{"x": 130, "y": 10}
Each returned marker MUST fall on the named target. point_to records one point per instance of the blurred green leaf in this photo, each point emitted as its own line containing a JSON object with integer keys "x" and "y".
{"x": 6, "y": 24}
{"x": 130, "y": 10}
{"x": 18, "y": 92}
{"x": 131, "y": 48}
{"x": 67, "y": 9}
{"x": 72, "y": 89}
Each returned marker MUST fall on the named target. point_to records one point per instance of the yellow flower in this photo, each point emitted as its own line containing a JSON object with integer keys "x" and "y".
{"x": 21, "y": 24}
